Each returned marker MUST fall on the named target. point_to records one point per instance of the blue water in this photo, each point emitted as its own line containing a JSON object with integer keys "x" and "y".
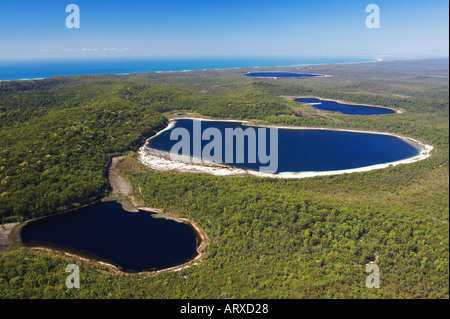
{"x": 348, "y": 109}
{"x": 104, "y": 231}
{"x": 44, "y": 68}
{"x": 280, "y": 75}
{"x": 308, "y": 150}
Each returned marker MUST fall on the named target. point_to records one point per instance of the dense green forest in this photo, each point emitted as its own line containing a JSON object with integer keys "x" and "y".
{"x": 56, "y": 144}
{"x": 269, "y": 238}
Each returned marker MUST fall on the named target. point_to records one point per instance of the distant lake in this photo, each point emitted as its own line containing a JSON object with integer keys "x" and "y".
{"x": 305, "y": 150}
{"x": 134, "y": 242}
{"x": 349, "y": 109}
{"x": 280, "y": 74}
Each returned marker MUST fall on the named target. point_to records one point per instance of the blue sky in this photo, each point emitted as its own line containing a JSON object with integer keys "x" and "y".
{"x": 36, "y": 28}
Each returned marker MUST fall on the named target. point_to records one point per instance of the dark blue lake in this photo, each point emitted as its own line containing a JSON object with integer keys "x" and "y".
{"x": 280, "y": 74}
{"x": 300, "y": 150}
{"x": 348, "y": 109}
{"x": 133, "y": 242}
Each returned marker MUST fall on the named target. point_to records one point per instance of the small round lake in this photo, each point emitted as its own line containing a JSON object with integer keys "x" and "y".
{"x": 348, "y": 109}
{"x": 280, "y": 75}
{"x": 294, "y": 150}
{"x": 133, "y": 242}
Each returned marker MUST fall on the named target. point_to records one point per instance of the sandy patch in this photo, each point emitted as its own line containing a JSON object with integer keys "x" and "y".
{"x": 5, "y": 230}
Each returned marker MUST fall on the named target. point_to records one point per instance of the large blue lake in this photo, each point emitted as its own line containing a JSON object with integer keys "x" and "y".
{"x": 134, "y": 242}
{"x": 349, "y": 109}
{"x": 300, "y": 150}
{"x": 44, "y": 68}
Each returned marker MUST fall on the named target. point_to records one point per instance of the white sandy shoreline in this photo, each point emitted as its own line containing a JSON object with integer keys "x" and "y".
{"x": 159, "y": 160}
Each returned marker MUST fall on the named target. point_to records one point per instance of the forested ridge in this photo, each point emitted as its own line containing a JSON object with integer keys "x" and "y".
{"x": 269, "y": 238}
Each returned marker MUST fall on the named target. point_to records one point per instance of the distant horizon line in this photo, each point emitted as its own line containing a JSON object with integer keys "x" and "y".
{"x": 192, "y": 57}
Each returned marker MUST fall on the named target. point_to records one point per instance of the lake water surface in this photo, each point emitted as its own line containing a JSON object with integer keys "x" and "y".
{"x": 133, "y": 242}
{"x": 303, "y": 150}
{"x": 349, "y": 109}
{"x": 280, "y": 75}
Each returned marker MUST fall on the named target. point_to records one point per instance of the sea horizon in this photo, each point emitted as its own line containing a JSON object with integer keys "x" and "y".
{"x": 41, "y": 68}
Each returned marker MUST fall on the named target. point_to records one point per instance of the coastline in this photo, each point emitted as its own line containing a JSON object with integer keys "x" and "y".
{"x": 159, "y": 160}
{"x": 30, "y": 79}
{"x": 374, "y": 60}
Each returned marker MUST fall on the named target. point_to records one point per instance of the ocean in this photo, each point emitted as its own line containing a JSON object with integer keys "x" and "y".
{"x": 45, "y": 68}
